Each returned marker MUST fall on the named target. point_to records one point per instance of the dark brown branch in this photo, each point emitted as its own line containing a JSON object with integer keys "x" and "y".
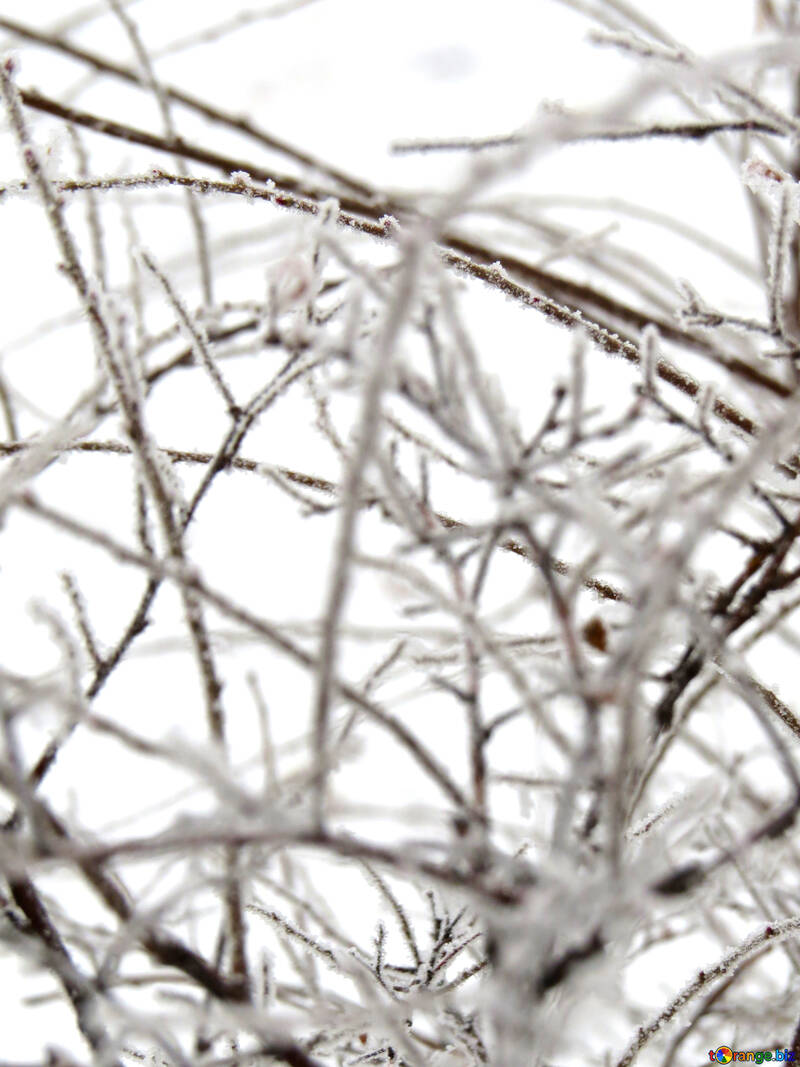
{"x": 690, "y": 131}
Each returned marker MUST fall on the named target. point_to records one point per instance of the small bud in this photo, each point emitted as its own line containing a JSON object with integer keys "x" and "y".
{"x": 391, "y": 227}
{"x": 292, "y": 278}
{"x": 596, "y": 634}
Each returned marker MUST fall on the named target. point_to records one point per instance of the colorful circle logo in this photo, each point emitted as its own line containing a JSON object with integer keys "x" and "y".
{"x": 723, "y": 1054}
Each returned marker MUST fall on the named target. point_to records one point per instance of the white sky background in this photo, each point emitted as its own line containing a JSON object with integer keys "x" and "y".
{"x": 343, "y": 79}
